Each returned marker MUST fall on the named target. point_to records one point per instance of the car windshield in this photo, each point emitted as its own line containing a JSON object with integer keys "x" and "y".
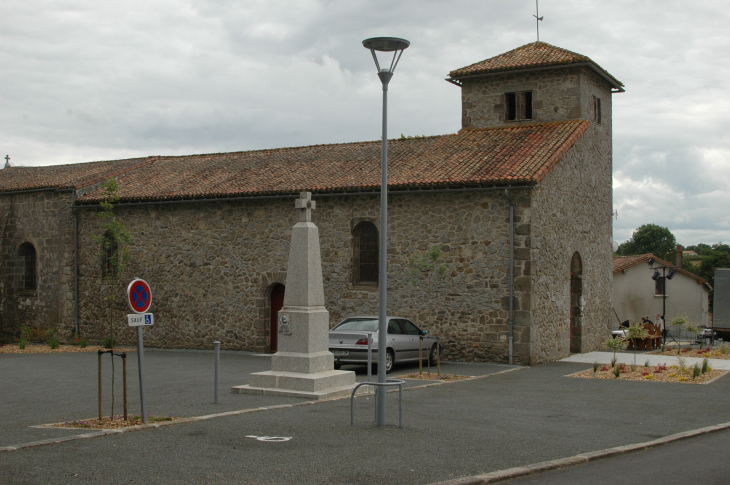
{"x": 366, "y": 324}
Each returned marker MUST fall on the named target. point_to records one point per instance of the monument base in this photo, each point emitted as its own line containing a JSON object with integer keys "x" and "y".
{"x": 328, "y": 384}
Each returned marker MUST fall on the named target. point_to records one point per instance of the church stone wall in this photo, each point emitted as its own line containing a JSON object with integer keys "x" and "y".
{"x": 571, "y": 212}
{"x": 211, "y": 266}
{"x": 45, "y": 220}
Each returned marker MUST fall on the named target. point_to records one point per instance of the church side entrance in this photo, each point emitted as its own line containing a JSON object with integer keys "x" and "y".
{"x": 277, "y": 303}
{"x": 576, "y": 300}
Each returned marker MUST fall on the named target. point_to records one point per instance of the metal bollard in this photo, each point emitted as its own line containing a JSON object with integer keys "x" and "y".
{"x": 124, "y": 374}
{"x": 420, "y": 355}
{"x": 217, "y": 346}
{"x": 370, "y": 357}
{"x": 99, "y": 352}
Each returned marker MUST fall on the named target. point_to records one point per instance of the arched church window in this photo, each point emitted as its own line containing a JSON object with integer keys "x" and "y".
{"x": 365, "y": 267}
{"x": 27, "y": 256}
{"x": 109, "y": 256}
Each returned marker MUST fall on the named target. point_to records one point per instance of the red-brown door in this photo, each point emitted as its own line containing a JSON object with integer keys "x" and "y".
{"x": 277, "y": 303}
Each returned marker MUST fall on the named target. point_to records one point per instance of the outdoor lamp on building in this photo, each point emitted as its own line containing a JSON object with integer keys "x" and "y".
{"x": 395, "y": 46}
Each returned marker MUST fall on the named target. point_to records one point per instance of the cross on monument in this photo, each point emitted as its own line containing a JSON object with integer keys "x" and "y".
{"x": 305, "y": 204}
{"x": 7, "y": 161}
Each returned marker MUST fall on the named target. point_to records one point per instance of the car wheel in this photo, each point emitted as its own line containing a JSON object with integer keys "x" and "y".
{"x": 433, "y": 355}
{"x": 338, "y": 365}
{"x": 389, "y": 358}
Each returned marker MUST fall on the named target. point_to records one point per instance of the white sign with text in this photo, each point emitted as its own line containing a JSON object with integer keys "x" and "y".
{"x": 141, "y": 320}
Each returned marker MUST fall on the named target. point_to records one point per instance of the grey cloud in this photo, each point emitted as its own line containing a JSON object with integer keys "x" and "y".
{"x": 86, "y": 81}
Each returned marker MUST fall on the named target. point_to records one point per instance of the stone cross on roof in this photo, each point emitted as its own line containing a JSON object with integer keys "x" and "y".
{"x": 305, "y": 204}
{"x": 7, "y": 161}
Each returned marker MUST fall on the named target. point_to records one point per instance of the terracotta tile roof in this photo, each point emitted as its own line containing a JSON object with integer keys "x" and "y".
{"x": 622, "y": 263}
{"x": 74, "y": 176}
{"x": 521, "y": 154}
{"x": 536, "y": 54}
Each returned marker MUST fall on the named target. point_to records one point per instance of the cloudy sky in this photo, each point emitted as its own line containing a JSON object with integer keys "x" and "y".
{"x": 83, "y": 81}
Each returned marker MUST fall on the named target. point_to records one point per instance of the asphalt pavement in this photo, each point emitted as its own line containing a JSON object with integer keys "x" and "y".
{"x": 702, "y": 459}
{"x": 455, "y": 429}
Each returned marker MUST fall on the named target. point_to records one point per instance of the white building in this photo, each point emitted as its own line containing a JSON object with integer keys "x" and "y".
{"x": 637, "y": 294}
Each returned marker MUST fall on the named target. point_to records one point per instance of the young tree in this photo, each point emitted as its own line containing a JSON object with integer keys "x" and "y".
{"x": 636, "y": 331}
{"x": 614, "y": 344}
{"x": 426, "y": 268}
{"x": 680, "y": 321}
{"x": 113, "y": 246}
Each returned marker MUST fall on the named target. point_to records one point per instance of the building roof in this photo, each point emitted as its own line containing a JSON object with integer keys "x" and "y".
{"x": 521, "y": 155}
{"x": 74, "y": 176}
{"x": 530, "y": 56}
{"x": 622, "y": 263}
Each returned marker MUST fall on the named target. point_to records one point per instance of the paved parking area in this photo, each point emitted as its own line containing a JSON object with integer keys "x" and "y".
{"x": 452, "y": 430}
{"x": 49, "y": 388}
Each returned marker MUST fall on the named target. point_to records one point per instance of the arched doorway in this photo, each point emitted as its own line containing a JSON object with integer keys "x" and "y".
{"x": 576, "y": 303}
{"x": 277, "y": 303}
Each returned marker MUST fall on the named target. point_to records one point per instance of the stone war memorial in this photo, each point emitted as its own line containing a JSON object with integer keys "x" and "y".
{"x": 519, "y": 200}
{"x": 303, "y": 365}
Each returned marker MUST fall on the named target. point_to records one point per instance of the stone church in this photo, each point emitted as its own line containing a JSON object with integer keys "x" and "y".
{"x": 527, "y": 179}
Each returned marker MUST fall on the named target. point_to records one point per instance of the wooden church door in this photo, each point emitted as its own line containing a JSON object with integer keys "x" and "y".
{"x": 277, "y": 303}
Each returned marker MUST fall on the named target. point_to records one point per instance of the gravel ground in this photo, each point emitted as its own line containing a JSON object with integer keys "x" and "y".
{"x": 63, "y": 349}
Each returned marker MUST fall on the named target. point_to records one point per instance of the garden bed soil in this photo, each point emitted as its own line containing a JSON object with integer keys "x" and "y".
{"x": 652, "y": 374}
{"x": 700, "y": 353}
{"x": 45, "y": 349}
{"x": 106, "y": 423}
{"x": 434, "y": 377}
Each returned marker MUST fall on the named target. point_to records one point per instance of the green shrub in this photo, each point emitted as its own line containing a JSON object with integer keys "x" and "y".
{"x": 617, "y": 371}
{"x": 696, "y": 371}
{"x": 705, "y": 365}
{"x": 53, "y": 341}
{"x": 83, "y": 343}
{"x": 26, "y": 333}
{"x": 682, "y": 364}
{"x": 595, "y": 367}
{"x": 109, "y": 342}
{"x": 21, "y": 343}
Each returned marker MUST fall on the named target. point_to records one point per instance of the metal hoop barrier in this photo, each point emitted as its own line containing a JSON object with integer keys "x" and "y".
{"x": 388, "y": 382}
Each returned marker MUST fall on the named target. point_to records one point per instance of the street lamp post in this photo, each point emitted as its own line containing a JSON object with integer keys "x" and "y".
{"x": 396, "y": 46}
{"x": 664, "y": 277}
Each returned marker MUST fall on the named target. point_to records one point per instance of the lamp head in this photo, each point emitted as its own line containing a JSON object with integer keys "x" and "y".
{"x": 671, "y": 274}
{"x": 656, "y": 275}
{"x": 650, "y": 261}
{"x": 386, "y": 44}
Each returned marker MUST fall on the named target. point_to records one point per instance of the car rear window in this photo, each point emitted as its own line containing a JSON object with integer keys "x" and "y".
{"x": 367, "y": 325}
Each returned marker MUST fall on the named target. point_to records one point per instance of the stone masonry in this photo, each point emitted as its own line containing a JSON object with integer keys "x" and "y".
{"x": 45, "y": 220}
{"x": 211, "y": 266}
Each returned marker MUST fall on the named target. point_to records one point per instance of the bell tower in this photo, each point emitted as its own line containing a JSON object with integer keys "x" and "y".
{"x": 535, "y": 83}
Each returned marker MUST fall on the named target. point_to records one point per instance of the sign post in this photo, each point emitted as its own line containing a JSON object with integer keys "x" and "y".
{"x": 139, "y": 296}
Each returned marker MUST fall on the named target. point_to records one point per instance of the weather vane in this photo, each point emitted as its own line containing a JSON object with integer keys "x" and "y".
{"x": 538, "y": 19}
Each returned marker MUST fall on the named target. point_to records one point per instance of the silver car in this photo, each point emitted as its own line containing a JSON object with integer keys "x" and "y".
{"x": 349, "y": 342}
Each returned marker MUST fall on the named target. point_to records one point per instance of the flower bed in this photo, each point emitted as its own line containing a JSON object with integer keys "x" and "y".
{"x": 434, "y": 377}
{"x": 687, "y": 352}
{"x": 660, "y": 373}
{"x": 117, "y": 422}
{"x": 45, "y": 349}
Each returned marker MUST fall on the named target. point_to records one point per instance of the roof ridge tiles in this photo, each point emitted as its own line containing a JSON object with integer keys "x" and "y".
{"x": 530, "y": 56}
